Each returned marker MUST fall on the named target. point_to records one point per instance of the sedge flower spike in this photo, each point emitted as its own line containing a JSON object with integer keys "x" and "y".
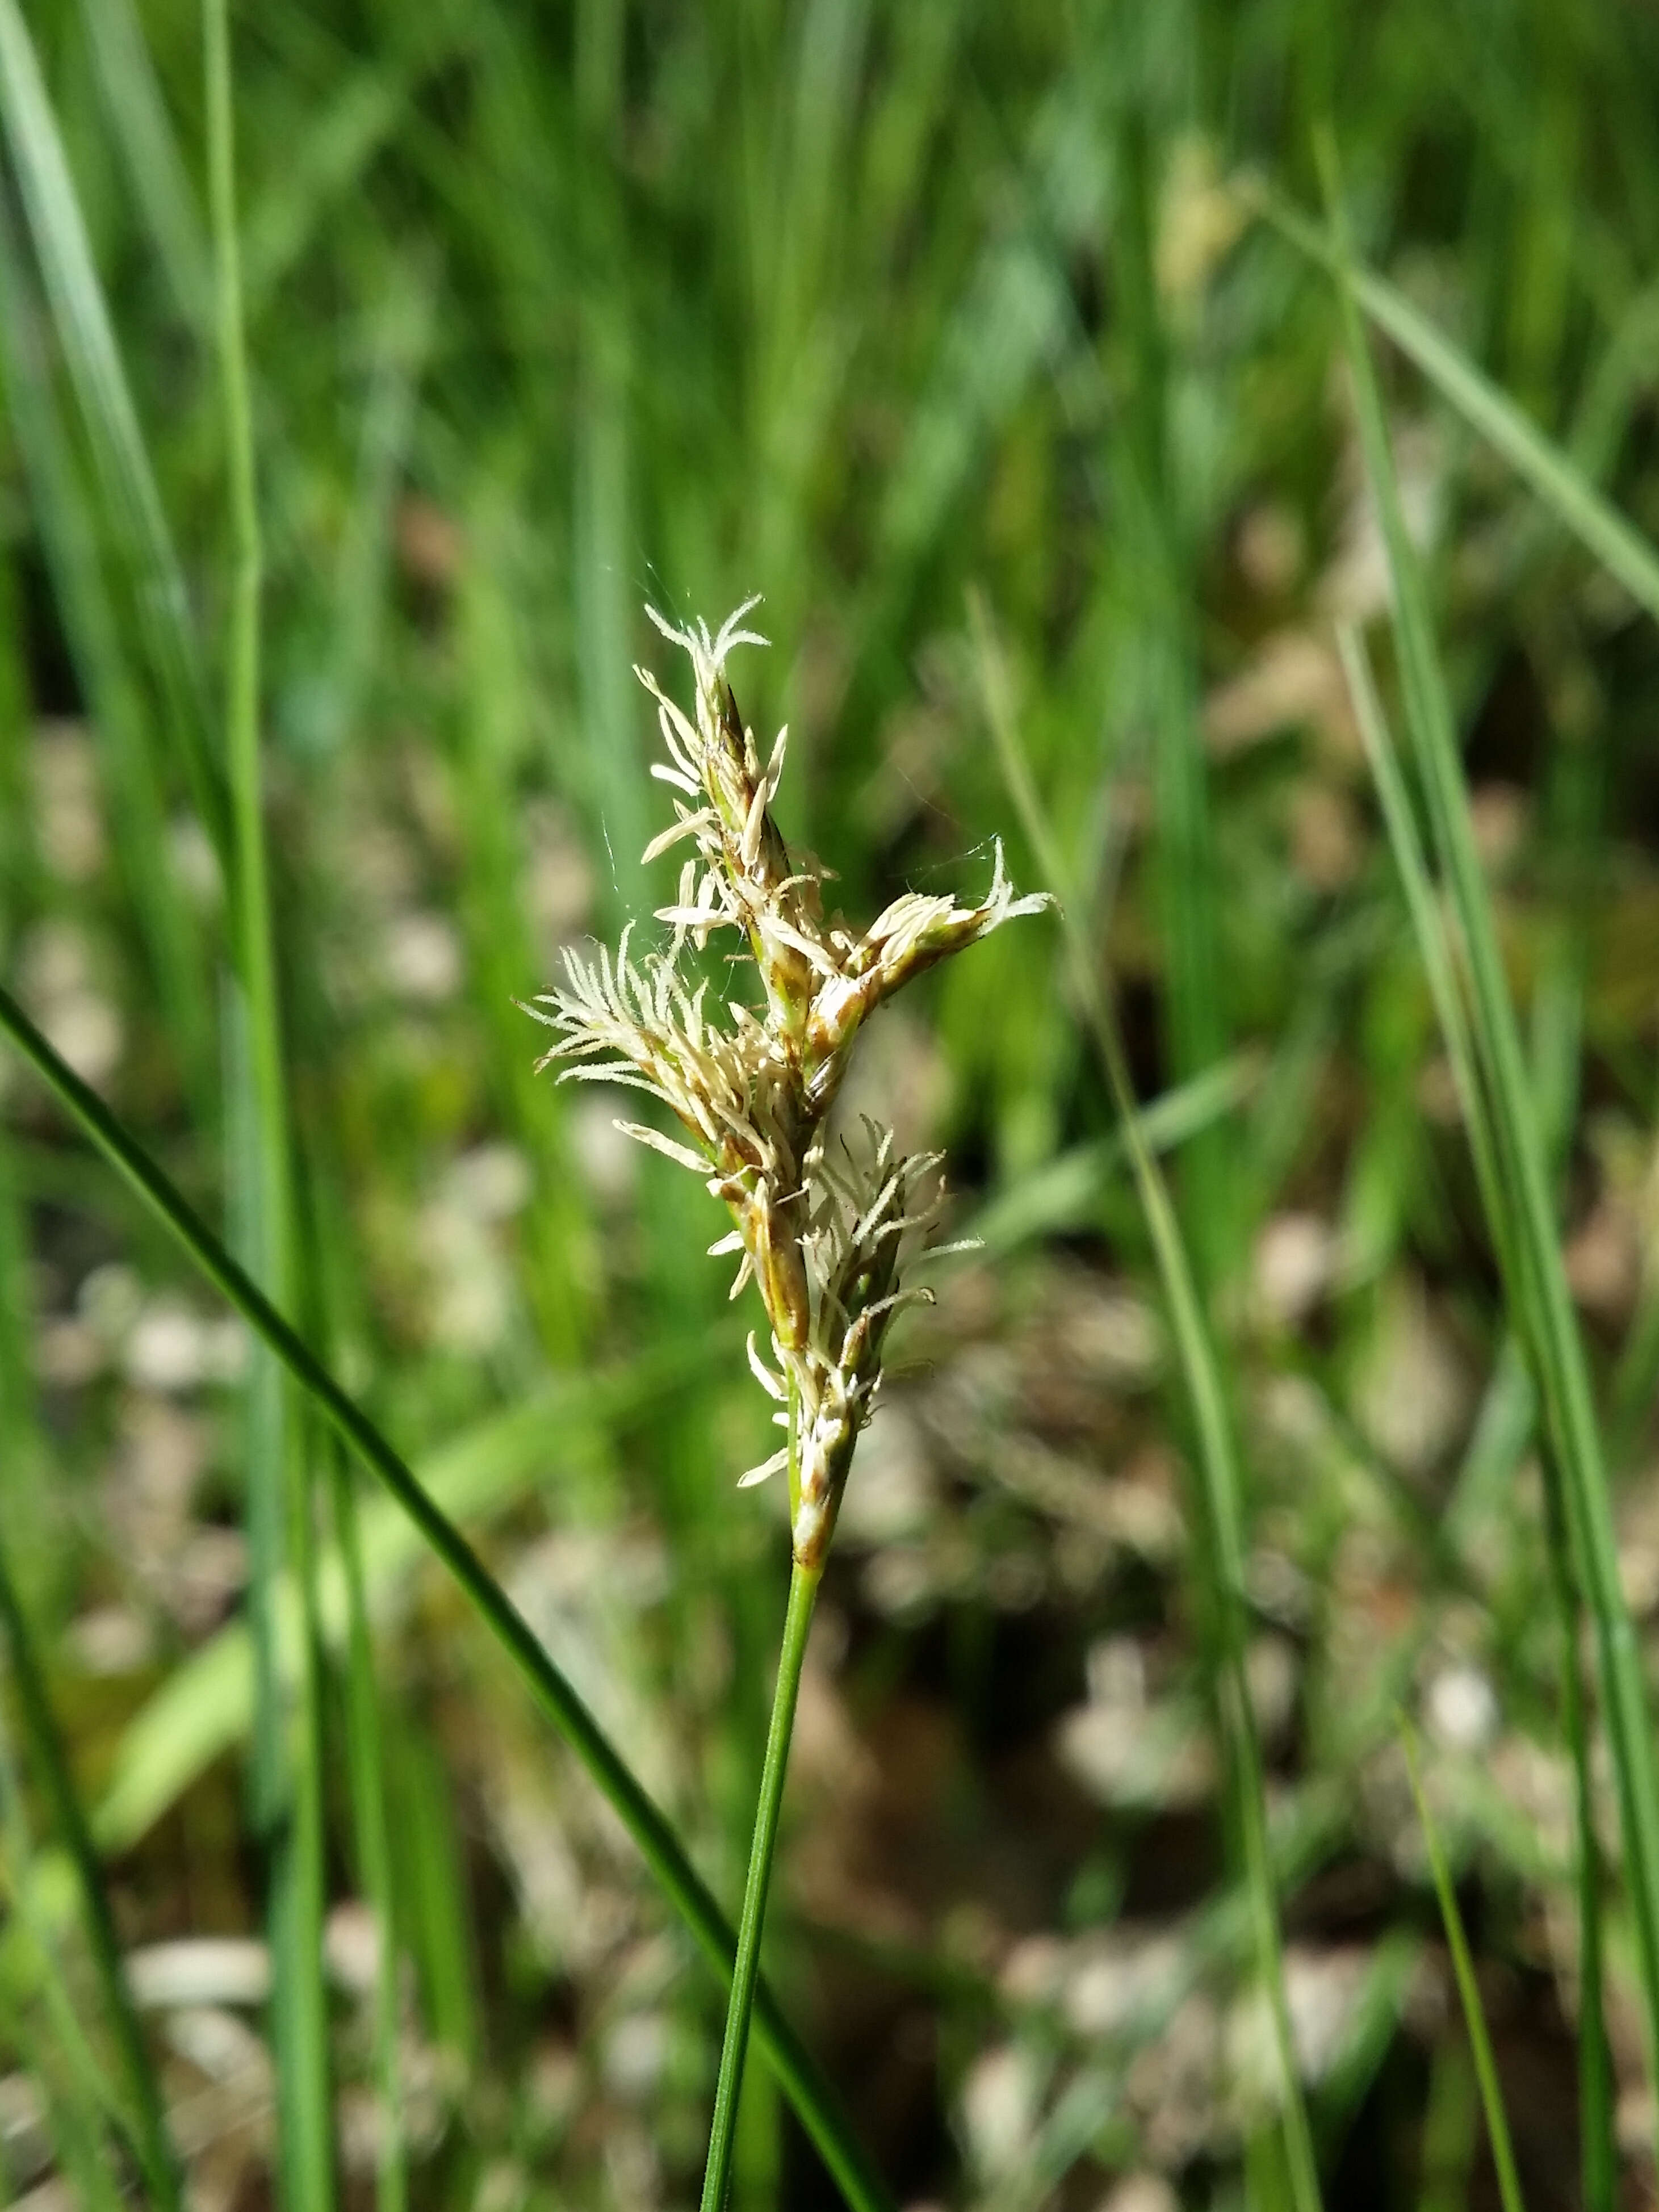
{"x": 819, "y": 1226}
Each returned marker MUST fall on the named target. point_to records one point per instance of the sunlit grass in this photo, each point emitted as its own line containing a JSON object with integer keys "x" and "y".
{"x": 362, "y": 379}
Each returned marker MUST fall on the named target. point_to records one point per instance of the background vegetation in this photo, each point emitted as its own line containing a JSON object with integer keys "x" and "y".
{"x": 871, "y": 307}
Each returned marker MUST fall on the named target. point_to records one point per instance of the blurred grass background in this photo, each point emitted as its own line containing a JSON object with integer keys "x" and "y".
{"x": 553, "y": 310}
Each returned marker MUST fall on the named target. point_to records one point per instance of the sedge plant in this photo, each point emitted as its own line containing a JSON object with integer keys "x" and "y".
{"x": 820, "y": 1222}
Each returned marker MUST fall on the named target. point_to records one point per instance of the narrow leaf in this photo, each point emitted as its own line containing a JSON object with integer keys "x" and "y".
{"x": 1523, "y": 1219}
{"x": 1486, "y": 2066}
{"x": 1554, "y": 475}
{"x": 814, "y": 2101}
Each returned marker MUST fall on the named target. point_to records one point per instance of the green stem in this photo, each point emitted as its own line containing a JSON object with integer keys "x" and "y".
{"x": 797, "y": 1624}
{"x": 290, "y": 1790}
{"x": 154, "y": 2148}
{"x": 1486, "y": 2066}
{"x": 373, "y": 1838}
{"x": 1595, "y": 2075}
{"x": 1598, "y": 2153}
{"x": 658, "y": 1845}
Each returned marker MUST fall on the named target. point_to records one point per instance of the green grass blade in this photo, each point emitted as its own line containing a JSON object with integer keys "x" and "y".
{"x": 64, "y": 511}
{"x": 286, "y": 1775}
{"x": 1555, "y": 476}
{"x": 153, "y": 2147}
{"x": 22, "y": 1489}
{"x": 252, "y": 917}
{"x": 1451, "y": 2131}
{"x": 81, "y": 317}
{"x": 1525, "y": 1224}
{"x": 814, "y": 2102}
{"x": 1596, "y": 2115}
{"x": 1598, "y": 2089}
{"x": 1486, "y": 2066}
{"x": 373, "y": 1824}
{"x": 344, "y": 1578}
{"x": 1221, "y": 1500}
{"x": 431, "y": 1873}
{"x": 278, "y": 1467}
{"x": 1437, "y": 953}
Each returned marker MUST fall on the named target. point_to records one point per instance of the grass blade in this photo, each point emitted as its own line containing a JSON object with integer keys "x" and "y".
{"x": 1485, "y": 2067}
{"x": 1523, "y": 1224}
{"x": 155, "y": 2149}
{"x": 287, "y": 1785}
{"x": 62, "y": 510}
{"x": 658, "y": 1845}
{"x": 289, "y": 1779}
{"x": 1555, "y": 476}
{"x": 64, "y": 254}
{"x": 372, "y": 1821}
{"x": 1595, "y": 2084}
{"x": 81, "y": 2102}
{"x": 1220, "y": 1500}
{"x": 1437, "y": 953}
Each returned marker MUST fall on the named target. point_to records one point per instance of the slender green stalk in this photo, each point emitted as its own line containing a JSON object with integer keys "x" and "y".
{"x": 1486, "y": 2066}
{"x": 153, "y": 2147}
{"x": 368, "y": 1776}
{"x": 251, "y": 895}
{"x": 278, "y": 1473}
{"x": 1595, "y": 2084}
{"x": 1428, "y": 923}
{"x": 367, "y": 1750}
{"x": 796, "y": 1624}
{"x": 81, "y": 314}
{"x": 812, "y": 2097}
{"x": 1521, "y": 1180}
{"x": 1221, "y": 1493}
{"x": 1597, "y": 2089}
{"x": 1450, "y": 2132}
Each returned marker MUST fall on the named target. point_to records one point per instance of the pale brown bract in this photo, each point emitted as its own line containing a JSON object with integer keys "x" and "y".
{"x": 819, "y": 1226}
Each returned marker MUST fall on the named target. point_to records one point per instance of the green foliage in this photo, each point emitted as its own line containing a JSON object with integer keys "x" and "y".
{"x": 363, "y": 370}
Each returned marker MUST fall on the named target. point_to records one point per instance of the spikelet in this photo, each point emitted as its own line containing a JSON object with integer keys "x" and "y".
{"x": 820, "y": 1227}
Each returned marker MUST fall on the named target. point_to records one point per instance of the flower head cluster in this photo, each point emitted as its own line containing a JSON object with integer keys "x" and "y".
{"x": 818, "y": 1227}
